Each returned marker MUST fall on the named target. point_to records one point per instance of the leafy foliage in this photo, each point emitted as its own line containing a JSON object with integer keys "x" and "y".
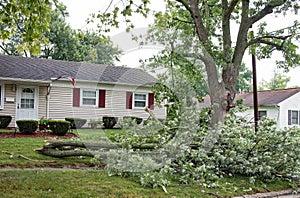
{"x": 4, "y": 121}
{"x": 59, "y": 127}
{"x": 27, "y": 126}
{"x": 109, "y": 122}
{"x": 76, "y": 123}
{"x": 234, "y": 148}
{"x": 278, "y": 81}
{"x": 27, "y": 21}
{"x": 60, "y": 42}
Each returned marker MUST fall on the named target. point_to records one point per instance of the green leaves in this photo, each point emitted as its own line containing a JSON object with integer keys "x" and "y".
{"x": 28, "y": 19}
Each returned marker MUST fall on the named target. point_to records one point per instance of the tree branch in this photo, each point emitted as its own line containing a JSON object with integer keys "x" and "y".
{"x": 231, "y": 7}
{"x": 261, "y": 40}
{"x": 200, "y": 28}
{"x": 267, "y": 10}
{"x": 5, "y": 50}
{"x": 185, "y": 4}
{"x": 183, "y": 21}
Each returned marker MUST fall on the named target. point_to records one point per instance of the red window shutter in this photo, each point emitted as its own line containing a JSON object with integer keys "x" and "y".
{"x": 151, "y": 101}
{"x": 129, "y": 100}
{"x": 101, "y": 102}
{"x": 76, "y": 97}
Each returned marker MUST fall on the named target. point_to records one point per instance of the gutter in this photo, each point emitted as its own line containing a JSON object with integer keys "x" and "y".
{"x": 105, "y": 82}
{"x": 25, "y": 80}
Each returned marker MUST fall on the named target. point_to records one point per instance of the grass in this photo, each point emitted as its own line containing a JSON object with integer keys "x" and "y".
{"x": 92, "y": 183}
{"x": 12, "y": 148}
{"x": 95, "y": 183}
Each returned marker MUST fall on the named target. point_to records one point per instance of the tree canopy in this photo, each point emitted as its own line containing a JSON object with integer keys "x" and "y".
{"x": 26, "y": 21}
{"x": 54, "y": 39}
{"x": 278, "y": 81}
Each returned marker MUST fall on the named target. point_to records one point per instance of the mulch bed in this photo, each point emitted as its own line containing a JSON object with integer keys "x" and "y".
{"x": 34, "y": 135}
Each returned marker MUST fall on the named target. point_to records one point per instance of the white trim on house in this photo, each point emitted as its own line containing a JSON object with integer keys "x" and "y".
{"x": 31, "y": 114}
{"x": 136, "y": 99}
{"x": 82, "y": 97}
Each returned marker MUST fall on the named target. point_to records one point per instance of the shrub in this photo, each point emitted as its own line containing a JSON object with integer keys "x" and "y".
{"x": 59, "y": 127}
{"x": 76, "y": 123}
{"x": 95, "y": 123}
{"x": 137, "y": 120}
{"x": 4, "y": 121}
{"x": 27, "y": 126}
{"x": 43, "y": 124}
{"x": 109, "y": 122}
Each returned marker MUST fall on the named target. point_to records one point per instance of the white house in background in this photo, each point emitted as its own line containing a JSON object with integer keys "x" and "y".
{"x": 281, "y": 105}
{"x": 32, "y": 88}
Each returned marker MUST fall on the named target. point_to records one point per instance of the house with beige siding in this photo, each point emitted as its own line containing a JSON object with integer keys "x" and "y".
{"x": 32, "y": 88}
{"x": 282, "y": 105}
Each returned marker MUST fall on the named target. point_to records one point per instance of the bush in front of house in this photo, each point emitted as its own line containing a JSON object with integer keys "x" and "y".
{"x": 137, "y": 120}
{"x": 59, "y": 127}
{"x": 27, "y": 126}
{"x": 4, "y": 121}
{"x": 109, "y": 122}
{"x": 76, "y": 123}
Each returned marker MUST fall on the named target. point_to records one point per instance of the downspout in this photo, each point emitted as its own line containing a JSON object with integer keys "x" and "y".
{"x": 48, "y": 100}
{"x": 278, "y": 116}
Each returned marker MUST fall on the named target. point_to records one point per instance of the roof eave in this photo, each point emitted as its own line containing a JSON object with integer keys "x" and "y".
{"x": 106, "y": 82}
{"x": 25, "y": 80}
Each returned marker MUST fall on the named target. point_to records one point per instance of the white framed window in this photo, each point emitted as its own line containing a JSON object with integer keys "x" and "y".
{"x": 295, "y": 117}
{"x": 261, "y": 114}
{"x": 89, "y": 97}
{"x": 1, "y": 96}
{"x": 140, "y": 100}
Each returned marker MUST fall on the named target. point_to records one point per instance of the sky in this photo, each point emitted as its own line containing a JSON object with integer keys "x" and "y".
{"x": 80, "y": 10}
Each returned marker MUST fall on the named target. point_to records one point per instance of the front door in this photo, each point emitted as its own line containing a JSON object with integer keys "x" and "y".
{"x": 27, "y": 103}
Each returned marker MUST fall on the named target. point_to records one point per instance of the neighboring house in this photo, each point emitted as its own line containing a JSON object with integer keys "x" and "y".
{"x": 281, "y": 105}
{"x": 32, "y": 88}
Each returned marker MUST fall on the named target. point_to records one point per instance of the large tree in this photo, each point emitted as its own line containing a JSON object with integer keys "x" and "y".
{"x": 56, "y": 39}
{"x": 25, "y": 21}
{"x": 221, "y": 45}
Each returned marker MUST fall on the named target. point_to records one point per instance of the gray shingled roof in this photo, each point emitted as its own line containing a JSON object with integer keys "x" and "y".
{"x": 45, "y": 69}
{"x": 265, "y": 98}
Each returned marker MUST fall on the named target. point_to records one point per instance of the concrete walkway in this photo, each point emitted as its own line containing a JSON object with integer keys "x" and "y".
{"x": 281, "y": 194}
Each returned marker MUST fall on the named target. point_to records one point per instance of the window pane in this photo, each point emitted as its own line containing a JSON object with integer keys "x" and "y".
{"x": 27, "y": 103}
{"x": 294, "y": 117}
{"x": 261, "y": 114}
{"x": 88, "y": 101}
{"x": 90, "y": 94}
{"x": 140, "y": 96}
{"x": 139, "y": 104}
{"x": 0, "y": 96}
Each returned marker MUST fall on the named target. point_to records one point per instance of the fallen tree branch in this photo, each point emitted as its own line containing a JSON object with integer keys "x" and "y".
{"x": 27, "y": 158}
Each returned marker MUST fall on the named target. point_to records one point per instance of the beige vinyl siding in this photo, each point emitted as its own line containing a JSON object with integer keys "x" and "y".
{"x": 9, "y": 107}
{"x": 61, "y": 106}
{"x": 42, "y": 108}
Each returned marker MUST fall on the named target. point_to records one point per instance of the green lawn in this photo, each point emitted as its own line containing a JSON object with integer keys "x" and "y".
{"x": 93, "y": 183}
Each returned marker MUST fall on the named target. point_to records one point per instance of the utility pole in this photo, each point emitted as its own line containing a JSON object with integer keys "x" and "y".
{"x": 255, "y": 102}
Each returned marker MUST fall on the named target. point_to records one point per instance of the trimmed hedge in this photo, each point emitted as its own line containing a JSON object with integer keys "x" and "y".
{"x": 76, "y": 123}
{"x": 109, "y": 122}
{"x": 4, "y": 121}
{"x": 59, "y": 127}
{"x": 27, "y": 126}
{"x": 137, "y": 120}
